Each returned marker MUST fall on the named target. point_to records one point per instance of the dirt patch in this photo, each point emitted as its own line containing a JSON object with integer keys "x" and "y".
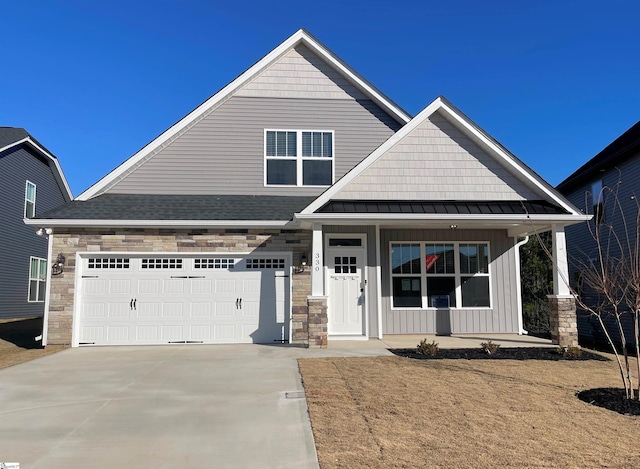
{"x": 381, "y": 412}
{"x": 18, "y": 344}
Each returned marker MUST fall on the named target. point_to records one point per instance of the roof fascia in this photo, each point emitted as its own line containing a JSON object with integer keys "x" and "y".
{"x": 47, "y": 155}
{"x": 368, "y": 217}
{"x": 300, "y": 36}
{"x": 466, "y": 126}
{"x": 45, "y": 222}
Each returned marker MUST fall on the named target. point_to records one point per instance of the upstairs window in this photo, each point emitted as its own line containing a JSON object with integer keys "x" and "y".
{"x": 298, "y": 158}
{"x": 597, "y": 200}
{"x": 37, "y": 279}
{"x": 30, "y": 200}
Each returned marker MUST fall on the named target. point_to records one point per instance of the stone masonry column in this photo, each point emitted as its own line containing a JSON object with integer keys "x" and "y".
{"x": 562, "y": 320}
{"x": 317, "y": 321}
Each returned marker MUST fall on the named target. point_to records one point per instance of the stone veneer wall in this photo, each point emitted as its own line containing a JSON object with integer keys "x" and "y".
{"x": 563, "y": 321}
{"x": 72, "y": 241}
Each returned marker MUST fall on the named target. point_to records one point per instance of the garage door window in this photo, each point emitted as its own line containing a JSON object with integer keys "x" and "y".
{"x": 161, "y": 264}
{"x": 265, "y": 263}
{"x": 214, "y": 263}
{"x": 108, "y": 263}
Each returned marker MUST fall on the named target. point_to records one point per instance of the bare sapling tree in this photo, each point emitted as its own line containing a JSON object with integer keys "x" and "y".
{"x": 608, "y": 286}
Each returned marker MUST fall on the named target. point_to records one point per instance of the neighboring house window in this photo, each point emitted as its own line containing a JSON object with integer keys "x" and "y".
{"x": 298, "y": 158}
{"x": 30, "y": 200}
{"x": 37, "y": 279}
{"x": 451, "y": 275}
{"x": 597, "y": 198}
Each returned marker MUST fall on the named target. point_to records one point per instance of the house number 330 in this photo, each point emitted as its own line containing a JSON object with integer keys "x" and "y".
{"x": 316, "y": 262}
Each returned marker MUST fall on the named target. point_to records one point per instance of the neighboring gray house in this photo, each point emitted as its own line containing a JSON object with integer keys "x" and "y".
{"x": 617, "y": 167}
{"x": 299, "y": 205}
{"x": 32, "y": 183}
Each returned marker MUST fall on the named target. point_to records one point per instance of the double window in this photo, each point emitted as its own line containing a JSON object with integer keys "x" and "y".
{"x": 30, "y": 200}
{"x": 37, "y": 279}
{"x": 298, "y": 158}
{"x": 440, "y": 275}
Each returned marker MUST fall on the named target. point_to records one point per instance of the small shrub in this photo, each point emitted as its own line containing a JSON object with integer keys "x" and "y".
{"x": 426, "y": 348}
{"x": 490, "y": 347}
{"x": 571, "y": 351}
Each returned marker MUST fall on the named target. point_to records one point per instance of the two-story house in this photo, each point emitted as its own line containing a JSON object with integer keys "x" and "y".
{"x": 608, "y": 186}
{"x": 32, "y": 183}
{"x": 299, "y": 204}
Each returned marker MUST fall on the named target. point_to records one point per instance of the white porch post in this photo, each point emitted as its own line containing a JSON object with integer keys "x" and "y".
{"x": 563, "y": 323}
{"x": 560, "y": 262}
{"x": 317, "y": 262}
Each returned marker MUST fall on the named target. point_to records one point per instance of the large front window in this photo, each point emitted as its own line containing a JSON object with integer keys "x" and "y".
{"x": 440, "y": 275}
{"x": 298, "y": 158}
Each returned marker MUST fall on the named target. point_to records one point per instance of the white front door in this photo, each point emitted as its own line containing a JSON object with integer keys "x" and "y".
{"x": 346, "y": 285}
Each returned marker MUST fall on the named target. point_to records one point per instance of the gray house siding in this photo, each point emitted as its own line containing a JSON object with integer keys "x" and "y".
{"x": 581, "y": 246}
{"x": 18, "y": 241}
{"x": 224, "y": 152}
{"x": 436, "y": 161}
{"x": 502, "y": 317}
{"x": 372, "y": 293}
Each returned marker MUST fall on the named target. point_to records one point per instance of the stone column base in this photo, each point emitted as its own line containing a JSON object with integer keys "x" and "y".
{"x": 317, "y": 321}
{"x": 563, "y": 321}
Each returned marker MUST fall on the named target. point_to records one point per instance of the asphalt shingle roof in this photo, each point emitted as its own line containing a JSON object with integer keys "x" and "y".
{"x": 180, "y": 207}
{"x": 9, "y": 135}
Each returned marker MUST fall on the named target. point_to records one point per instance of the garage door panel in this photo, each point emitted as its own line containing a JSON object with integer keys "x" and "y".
{"x": 221, "y": 301}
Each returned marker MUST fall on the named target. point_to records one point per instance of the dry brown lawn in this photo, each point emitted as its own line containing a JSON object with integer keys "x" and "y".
{"x": 383, "y": 412}
{"x": 17, "y": 344}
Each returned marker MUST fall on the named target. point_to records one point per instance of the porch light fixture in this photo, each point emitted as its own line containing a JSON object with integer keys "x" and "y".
{"x": 303, "y": 263}
{"x": 58, "y": 266}
{"x": 44, "y": 232}
{"x": 453, "y": 227}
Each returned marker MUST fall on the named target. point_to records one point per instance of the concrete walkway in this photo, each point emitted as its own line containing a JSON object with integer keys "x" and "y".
{"x": 191, "y": 406}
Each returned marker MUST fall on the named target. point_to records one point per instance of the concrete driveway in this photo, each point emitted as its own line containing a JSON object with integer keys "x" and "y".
{"x": 236, "y": 406}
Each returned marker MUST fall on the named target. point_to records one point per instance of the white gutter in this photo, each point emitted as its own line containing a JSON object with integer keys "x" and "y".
{"x": 157, "y": 223}
{"x": 517, "y": 246}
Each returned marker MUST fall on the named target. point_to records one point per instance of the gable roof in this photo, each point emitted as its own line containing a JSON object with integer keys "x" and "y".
{"x": 11, "y": 137}
{"x": 300, "y": 37}
{"x": 470, "y": 129}
{"x": 134, "y": 210}
{"x": 625, "y": 146}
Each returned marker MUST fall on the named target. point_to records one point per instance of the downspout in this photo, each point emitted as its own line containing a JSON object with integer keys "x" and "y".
{"x": 517, "y": 246}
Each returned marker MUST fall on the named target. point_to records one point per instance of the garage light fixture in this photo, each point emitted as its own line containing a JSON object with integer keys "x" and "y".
{"x": 303, "y": 263}
{"x": 58, "y": 266}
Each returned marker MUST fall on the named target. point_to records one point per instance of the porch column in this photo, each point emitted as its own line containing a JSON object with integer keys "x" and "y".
{"x": 563, "y": 323}
{"x": 317, "y": 302}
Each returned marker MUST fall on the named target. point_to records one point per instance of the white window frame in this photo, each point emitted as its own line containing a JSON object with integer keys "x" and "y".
{"x": 41, "y": 282}
{"x": 27, "y": 201}
{"x": 457, "y": 275}
{"x": 299, "y": 158}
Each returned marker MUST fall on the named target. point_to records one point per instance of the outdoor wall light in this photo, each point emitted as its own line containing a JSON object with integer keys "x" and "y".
{"x": 58, "y": 266}
{"x": 303, "y": 263}
{"x": 44, "y": 232}
{"x": 453, "y": 227}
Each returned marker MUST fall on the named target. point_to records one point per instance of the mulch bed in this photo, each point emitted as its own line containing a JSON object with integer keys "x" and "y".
{"x": 503, "y": 353}
{"x": 611, "y": 399}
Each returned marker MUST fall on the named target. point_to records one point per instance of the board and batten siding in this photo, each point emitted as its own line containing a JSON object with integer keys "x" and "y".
{"x": 502, "y": 317}
{"x": 18, "y": 242}
{"x": 436, "y": 161}
{"x": 372, "y": 292}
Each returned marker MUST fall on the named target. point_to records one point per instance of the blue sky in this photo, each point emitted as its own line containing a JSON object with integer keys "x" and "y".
{"x": 553, "y": 81}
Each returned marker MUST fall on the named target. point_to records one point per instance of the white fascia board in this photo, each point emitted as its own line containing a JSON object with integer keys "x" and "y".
{"x": 298, "y": 37}
{"x": 47, "y": 155}
{"x": 157, "y": 223}
{"x": 440, "y": 217}
{"x": 372, "y": 158}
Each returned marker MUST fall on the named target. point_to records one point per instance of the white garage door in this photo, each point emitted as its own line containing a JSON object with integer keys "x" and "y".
{"x": 161, "y": 300}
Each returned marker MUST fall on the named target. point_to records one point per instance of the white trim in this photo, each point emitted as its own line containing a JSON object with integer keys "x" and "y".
{"x": 368, "y": 217}
{"x": 299, "y": 37}
{"x": 468, "y": 127}
{"x": 55, "y": 161}
{"x": 47, "y": 297}
{"x": 38, "y": 280}
{"x": 158, "y": 223}
{"x": 516, "y": 246}
{"x": 378, "y": 282}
